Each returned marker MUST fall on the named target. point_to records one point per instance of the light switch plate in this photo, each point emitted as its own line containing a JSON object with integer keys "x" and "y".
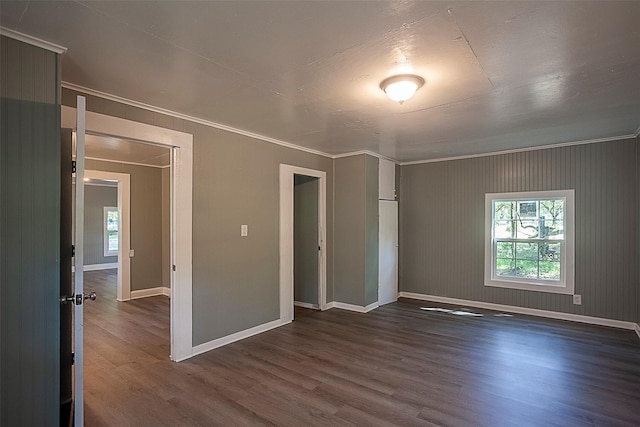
{"x": 131, "y": 253}
{"x": 244, "y": 230}
{"x": 577, "y": 299}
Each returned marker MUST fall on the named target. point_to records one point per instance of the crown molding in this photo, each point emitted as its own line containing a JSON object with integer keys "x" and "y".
{"x": 270, "y": 140}
{"x": 193, "y": 119}
{"x": 522, "y": 150}
{"x": 34, "y": 41}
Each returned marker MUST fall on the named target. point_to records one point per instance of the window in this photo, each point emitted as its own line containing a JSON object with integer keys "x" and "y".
{"x": 529, "y": 241}
{"x": 111, "y": 227}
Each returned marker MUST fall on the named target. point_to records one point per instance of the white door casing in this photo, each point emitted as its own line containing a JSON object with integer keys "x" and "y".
{"x": 181, "y": 210}
{"x": 287, "y": 173}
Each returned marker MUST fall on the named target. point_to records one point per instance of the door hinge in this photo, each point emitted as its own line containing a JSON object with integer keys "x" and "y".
{"x": 73, "y": 251}
{"x": 73, "y": 166}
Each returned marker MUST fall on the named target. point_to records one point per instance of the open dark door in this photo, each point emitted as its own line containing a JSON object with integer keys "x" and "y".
{"x": 66, "y": 285}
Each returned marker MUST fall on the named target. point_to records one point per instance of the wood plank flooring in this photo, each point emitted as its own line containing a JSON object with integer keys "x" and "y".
{"x": 398, "y": 365}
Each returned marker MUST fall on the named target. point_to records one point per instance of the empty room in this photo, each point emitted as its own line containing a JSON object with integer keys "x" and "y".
{"x": 319, "y": 213}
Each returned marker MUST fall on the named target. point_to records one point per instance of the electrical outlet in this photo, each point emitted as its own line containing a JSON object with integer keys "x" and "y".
{"x": 577, "y": 299}
{"x": 244, "y": 230}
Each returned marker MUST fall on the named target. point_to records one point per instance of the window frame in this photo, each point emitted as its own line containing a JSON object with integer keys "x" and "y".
{"x": 105, "y": 231}
{"x": 566, "y": 284}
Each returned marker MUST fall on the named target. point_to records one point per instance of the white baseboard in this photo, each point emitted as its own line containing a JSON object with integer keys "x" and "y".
{"x": 151, "y": 292}
{"x": 352, "y": 307}
{"x": 220, "y": 342}
{"x": 637, "y": 328}
{"x": 523, "y": 310}
{"x": 306, "y": 305}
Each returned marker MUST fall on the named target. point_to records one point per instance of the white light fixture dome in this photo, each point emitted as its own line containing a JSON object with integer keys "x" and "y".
{"x": 401, "y": 87}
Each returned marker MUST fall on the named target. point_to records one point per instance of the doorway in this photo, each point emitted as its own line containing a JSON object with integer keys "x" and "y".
{"x": 122, "y": 184}
{"x": 306, "y": 242}
{"x": 312, "y": 178}
{"x": 181, "y": 145}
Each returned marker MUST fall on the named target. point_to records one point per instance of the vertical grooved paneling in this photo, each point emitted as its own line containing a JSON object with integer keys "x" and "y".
{"x": 443, "y": 225}
{"x": 30, "y": 233}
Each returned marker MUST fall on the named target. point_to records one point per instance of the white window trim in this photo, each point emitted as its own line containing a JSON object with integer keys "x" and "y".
{"x": 107, "y": 252}
{"x": 567, "y": 285}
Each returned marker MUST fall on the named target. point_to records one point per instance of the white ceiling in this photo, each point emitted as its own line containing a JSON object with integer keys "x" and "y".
{"x": 500, "y": 75}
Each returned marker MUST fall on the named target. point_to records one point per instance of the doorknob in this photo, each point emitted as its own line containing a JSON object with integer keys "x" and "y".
{"x": 78, "y": 298}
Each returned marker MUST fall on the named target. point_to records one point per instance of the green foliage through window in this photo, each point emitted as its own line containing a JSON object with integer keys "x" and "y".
{"x": 528, "y": 237}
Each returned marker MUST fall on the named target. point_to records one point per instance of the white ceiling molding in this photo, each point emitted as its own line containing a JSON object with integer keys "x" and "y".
{"x": 175, "y": 114}
{"x": 34, "y": 41}
{"x": 522, "y": 150}
{"x": 215, "y": 125}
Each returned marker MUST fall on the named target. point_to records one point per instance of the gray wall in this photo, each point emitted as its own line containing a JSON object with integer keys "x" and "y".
{"x": 442, "y": 232}
{"x": 305, "y": 240}
{"x": 235, "y": 181}
{"x": 29, "y": 235}
{"x": 146, "y": 220}
{"x": 356, "y": 230}
{"x": 96, "y": 198}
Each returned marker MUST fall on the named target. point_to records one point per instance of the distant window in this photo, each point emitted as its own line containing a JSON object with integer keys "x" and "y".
{"x": 111, "y": 227}
{"x": 529, "y": 241}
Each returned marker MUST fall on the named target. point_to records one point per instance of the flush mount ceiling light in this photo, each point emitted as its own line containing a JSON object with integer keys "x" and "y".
{"x": 401, "y": 87}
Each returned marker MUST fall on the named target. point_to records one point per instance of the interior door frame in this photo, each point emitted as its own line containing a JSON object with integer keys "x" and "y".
{"x": 287, "y": 173}
{"x": 181, "y": 145}
{"x": 124, "y": 232}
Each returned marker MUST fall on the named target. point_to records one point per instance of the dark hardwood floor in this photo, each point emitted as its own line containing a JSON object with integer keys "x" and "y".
{"x": 398, "y": 365}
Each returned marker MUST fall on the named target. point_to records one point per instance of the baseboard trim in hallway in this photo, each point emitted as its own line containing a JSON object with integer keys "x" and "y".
{"x": 352, "y": 307}
{"x": 524, "y": 310}
{"x": 226, "y": 340}
{"x": 151, "y": 292}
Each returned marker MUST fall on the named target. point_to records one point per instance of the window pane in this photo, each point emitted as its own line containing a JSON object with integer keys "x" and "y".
{"x": 112, "y": 240}
{"x": 527, "y": 251}
{"x": 553, "y": 229}
{"x": 112, "y": 220}
{"x": 504, "y": 250}
{"x": 503, "y": 210}
{"x": 505, "y": 267}
{"x": 549, "y": 251}
{"x": 550, "y": 270}
{"x": 504, "y": 229}
{"x": 552, "y": 209}
{"x": 526, "y": 268}
{"x": 527, "y": 229}
{"x": 528, "y": 209}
